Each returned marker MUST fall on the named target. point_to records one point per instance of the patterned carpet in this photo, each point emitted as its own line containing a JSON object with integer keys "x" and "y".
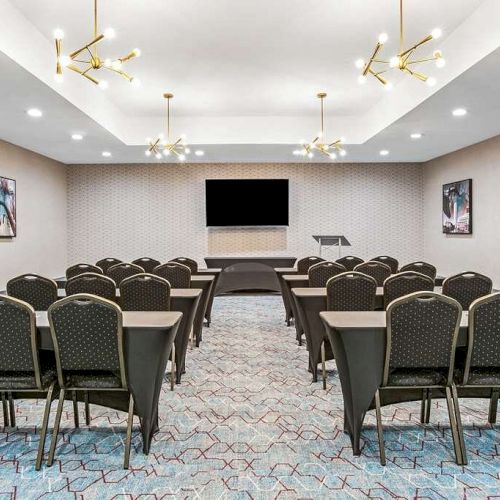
{"x": 248, "y": 423}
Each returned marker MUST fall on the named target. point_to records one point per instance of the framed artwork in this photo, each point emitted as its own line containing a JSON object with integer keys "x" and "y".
{"x": 8, "y": 221}
{"x": 457, "y": 207}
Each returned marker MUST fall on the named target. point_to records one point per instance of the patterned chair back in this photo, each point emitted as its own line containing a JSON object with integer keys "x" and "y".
{"x": 349, "y": 262}
{"x": 467, "y": 287}
{"x": 390, "y": 261}
{"x": 147, "y": 264}
{"x": 105, "y": 264}
{"x": 124, "y": 270}
{"x": 422, "y": 331}
{"x": 93, "y": 283}
{"x": 404, "y": 283}
{"x": 78, "y": 269}
{"x": 320, "y": 273}
{"x": 351, "y": 291}
{"x": 422, "y": 268}
{"x": 18, "y": 338}
{"x": 192, "y": 264}
{"x": 87, "y": 334}
{"x": 145, "y": 292}
{"x": 484, "y": 337}
{"x": 39, "y": 292}
{"x": 304, "y": 264}
{"x": 178, "y": 275}
{"x": 376, "y": 270}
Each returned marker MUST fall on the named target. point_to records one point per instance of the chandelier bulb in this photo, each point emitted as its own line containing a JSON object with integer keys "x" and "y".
{"x": 58, "y": 34}
{"x": 103, "y": 84}
{"x": 440, "y": 62}
{"x": 383, "y": 37}
{"x": 332, "y": 156}
{"x": 158, "y": 156}
{"x": 359, "y": 63}
{"x": 431, "y": 81}
{"x": 109, "y": 33}
{"x": 147, "y": 152}
{"x": 388, "y": 86}
{"x": 166, "y": 152}
{"x": 436, "y": 33}
{"x": 394, "y": 62}
{"x": 310, "y": 155}
{"x": 342, "y": 152}
{"x": 58, "y": 78}
{"x": 362, "y": 79}
{"x": 137, "y": 52}
{"x": 182, "y": 157}
{"x": 116, "y": 64}
{"x": 187, "y": 150}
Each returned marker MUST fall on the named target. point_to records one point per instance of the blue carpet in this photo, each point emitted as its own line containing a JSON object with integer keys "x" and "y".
{"x": 247, "y": 423}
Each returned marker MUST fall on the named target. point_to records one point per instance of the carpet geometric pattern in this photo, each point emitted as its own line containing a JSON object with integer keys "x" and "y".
{"x": 248, "y": 423}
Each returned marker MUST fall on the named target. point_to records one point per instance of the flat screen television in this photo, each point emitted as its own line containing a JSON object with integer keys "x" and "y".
{"x": 246, "y": 202}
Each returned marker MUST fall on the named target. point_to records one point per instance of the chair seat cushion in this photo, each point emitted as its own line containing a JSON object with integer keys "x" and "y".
{"x": 12, "y": 381}
{"x": 92, "y": 380}
{"x": 417, "y": 377}
{"x": 480, "y": 376}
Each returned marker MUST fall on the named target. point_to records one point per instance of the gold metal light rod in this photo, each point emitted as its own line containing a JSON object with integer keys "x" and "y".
{"x": 93, "y": 60}
{"x": 403, "y": 59}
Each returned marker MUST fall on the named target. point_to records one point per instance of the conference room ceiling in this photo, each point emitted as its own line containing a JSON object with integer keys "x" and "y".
{"x": 245, "y": 76}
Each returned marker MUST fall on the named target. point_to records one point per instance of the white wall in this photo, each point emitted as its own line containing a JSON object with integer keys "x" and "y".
{"x": 40, "y": 245}
{"x": 481, "y": 250}
{"x": 130, "y": 211}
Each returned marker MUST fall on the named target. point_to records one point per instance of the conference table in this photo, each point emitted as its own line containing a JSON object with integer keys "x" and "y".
{"x": 149, "y": 337}
{"x": 185, "y": 301}
{"x": 358, "y": 341}
{"x": 308, "y": 303}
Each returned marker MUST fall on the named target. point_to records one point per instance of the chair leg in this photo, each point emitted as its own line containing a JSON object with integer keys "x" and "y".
{"x": 454, "y": 427}
{"x": 87, "y": 408}
{"x": 428, "y": 409}
{"x": 128, "y": 440}
{"x": 45, "y": 424}
{"x": 380, "y": 430}
{"x": 423, "y": 406}
{"x": 55, "y": 431}
{"x": 173, "y": 367}
{"x": 323, "y": 364}
{"x": 492, "y": 414}
{"x": 12, "y": 410}
{"x": 76, "y": 416}
{"x": 459, "y": 424}
{"x": 6, "y": 420}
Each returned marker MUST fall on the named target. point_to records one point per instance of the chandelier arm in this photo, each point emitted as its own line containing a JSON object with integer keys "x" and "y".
{"x": 120, "y": 72}
{"x": 85, "y": 47}
{"x": 372, "y": 58}
{"x": 401, "y": 27}
{"x": 417, "y": 61}
{"x": 378, "y": 77}
{"x": 417, "y": 74}
{"x": 425, "y": 40}
{"x": 380, "y": 61}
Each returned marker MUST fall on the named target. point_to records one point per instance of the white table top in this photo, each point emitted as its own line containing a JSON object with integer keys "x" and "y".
{"x": 321, "y": 292}
{"x": 189, "y": 293}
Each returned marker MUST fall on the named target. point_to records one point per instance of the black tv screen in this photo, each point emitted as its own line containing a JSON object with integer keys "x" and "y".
{"x": 247, "y": 202}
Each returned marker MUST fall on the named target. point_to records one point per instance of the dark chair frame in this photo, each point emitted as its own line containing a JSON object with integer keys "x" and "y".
{"x": 108, "y": 262}
{"x": 305, "y": 263}
{"x": 449, "y": 388}
{"x": 371, "y": 263}
{"x": 420, "y": 267}
{"x": 328, "y": 265}
{"x": 406, "y": 275}
{"x": 463, "y": 276}
{"x": 392, "y": 262}
{"x": 352, "y": 260}
{"x": 93, "y": 275}
{"x": 124, "y": 265}
{"x": 61, "y": 379}
{"x": 172, "y": 265}
{"x": 146, "y": 261}
{"x": 79, "y": 269}
{"x": 27, "y": 276}
{"x": 191, "y": 263}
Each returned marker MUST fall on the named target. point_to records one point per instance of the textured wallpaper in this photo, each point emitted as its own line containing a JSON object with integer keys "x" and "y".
{"x": 130, "y": 211}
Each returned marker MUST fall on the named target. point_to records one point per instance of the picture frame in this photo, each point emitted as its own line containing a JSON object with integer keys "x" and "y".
{"x": 457, "y": 207}
{"x": 8, "y": 214}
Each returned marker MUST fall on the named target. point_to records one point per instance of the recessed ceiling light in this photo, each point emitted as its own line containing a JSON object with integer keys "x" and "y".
{"x": 384, "y": 152}
{"x": 459, "y": 112}
{"x": 199, "y": 152}
{"x": 416, "y": 135}
{"x": 34, "y": 112}
{"x": 77, "y": 137}
{"x": 106, "y": 154}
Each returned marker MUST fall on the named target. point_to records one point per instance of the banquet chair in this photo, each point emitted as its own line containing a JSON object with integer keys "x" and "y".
{"x": 348, "y": 291}
{"x": 304, "y": 264}
{"x": 482, "y": 365}
{"x": 467, "y": 287}
{"x": 320, "y": 273}
{"x": 147, "y": 292}
{"x": 422, "y": 332}
{"x": 123, "y": 270}
{"x": 147, "y": 263}
{"x": 77, "y": 269}
{"x": 22, "y": 370}
{"x": 93, "y": 283}
{"x": 422, "y": 268}
{"x": 192, "y": 264}
{"x": 105, "y": 264}
{"x": 390, "y": 261}
{"x": 349, "y": 262}
{"x": 39, "y": 292}
{"x": 377, "y": 270}
{"x": 178, "y": 275}
{"x": 88, "y": 342}
{"x": 404, "y": 283}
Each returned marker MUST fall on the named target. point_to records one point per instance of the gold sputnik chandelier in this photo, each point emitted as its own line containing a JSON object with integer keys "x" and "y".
{"x": 404, "y": 61}
{"x": 87, "y": 60}
{"x": 165, "y": 145}
{"x": 318, "y": 144}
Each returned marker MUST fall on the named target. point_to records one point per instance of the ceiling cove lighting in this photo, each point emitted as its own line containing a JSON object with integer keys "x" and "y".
{"x": 327, "y": 149}
{"x": 34, "y": 113}
{"x": 459, "y": 112}
{"x": 403, "y": 61}
{"x": 164, "y": 145}
{"x": 86, "y": 59}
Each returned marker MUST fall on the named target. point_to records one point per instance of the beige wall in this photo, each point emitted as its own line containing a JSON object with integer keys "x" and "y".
{"x": 481, "y": 250}
{"x": 40, "y": 245}
{"x": 158, "y": 210}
